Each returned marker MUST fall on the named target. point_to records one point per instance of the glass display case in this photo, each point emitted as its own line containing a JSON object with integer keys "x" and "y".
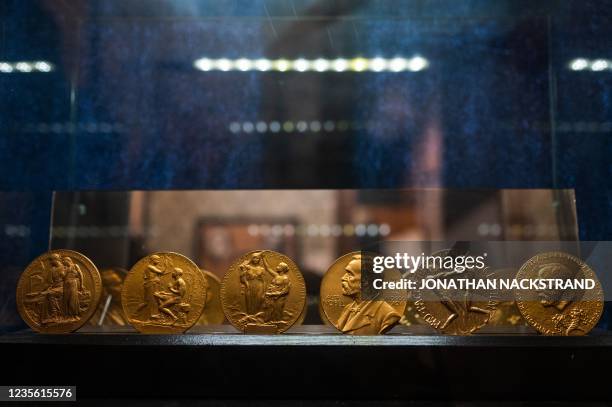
{"x": 314, "y": 129}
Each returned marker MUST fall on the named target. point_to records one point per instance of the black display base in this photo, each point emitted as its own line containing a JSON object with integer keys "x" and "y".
{"x": 314, "y": 362}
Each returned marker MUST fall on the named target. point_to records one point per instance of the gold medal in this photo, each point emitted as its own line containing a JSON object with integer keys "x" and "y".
{"x": 58, "y": 292}
{"x": 163, "y": 293}
{"x": 342, "y": 304}
{"x": 555, "y": 311}
{"x": 454, "y": 311}
{"x": 263, "y": 292}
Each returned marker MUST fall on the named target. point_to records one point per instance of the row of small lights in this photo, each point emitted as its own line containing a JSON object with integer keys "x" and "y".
{"x": 397, "y": 64}
{"x": 17, "y": 230}
{"x": 595, "y": 65}
{"x": 324, "y": 230}
{"x": 329, "y": 126}
{"x": 290, "y": 126}
{"x": 95, "y": 231}
{"x": 87, "y": 127}
{"x": 25, "y": 66}
{"x": 495, "y": 229}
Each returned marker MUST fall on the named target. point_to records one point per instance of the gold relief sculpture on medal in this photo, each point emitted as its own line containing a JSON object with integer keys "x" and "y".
{"x": 343, "y": 305}
{"x": 455, "y": 312}
{"x": 263, "y": 292}
{"x": 58, "y": 292}
{"x": 164, "y": 293}
{"x": 558, "y": 311}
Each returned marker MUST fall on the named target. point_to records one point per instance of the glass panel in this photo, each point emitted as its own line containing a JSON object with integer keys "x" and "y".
{"x": 313, "y": 227}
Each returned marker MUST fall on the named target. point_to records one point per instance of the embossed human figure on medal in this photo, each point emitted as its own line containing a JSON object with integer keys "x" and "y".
{"x": 164, "y": 306}
{"x": 56, "y": 291}
{"x": 361, "y": 316}
{"x": 454, "y": 311}
{"x": 169, "y": 290}
{"x": 271, "y": 293}
{"x": 55, "y": 295}
{"x": 559, "y": 311}
{"x": 343, "y": 305}
{"x": 265, "y": 302}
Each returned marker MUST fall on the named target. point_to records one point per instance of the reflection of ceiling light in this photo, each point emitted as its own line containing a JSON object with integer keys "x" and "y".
{"x": 244, "y": 64}
{"x": 323, "y": 230}
{"x": 579, "y": 64}
{"x": 339, "y": 65}
{"x": 25, "y": 67}
{"x": 203, "y": 64}
{"x": 263, "y": 64}
{"x": 224, "y": 64}
{"x": 289, "y": 126}
{"x": 321, "y": 65}
{"x": 359, "y": 64}
{"x": 398, "y": 64}
{"x": 247, "y": 127}
{"x": 281, "y": 65}
{"x": 5, "y": 67}
{"x": 417, "y": 64}
{"x": 234, "y": 127}
{"x": 599, "y": 65}
{"x": 378, "y": 64}
{"x": 595, "y": 65}
{"x": 275, "y": 127}
{"x": 42, "y": 66}
{"x": 301, "y": 65}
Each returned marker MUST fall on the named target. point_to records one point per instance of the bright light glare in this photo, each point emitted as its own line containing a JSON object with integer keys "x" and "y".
{"x": 42, "y": 66}
{"x": 599, "y": 65}
{"x": 301, "y": 65}
{"x": 595, "y": 65}
{"x": 358, "y": 64}
{"x": 23, "y": 67}
{"x": 6, "y": 67}
{"x": 321, "y": 65}
{"x": 340, "y": 65}
{"x": 244, "y": 64}
{"x": 378, "y": 64}
{"x": 398, "y": 64}
{"x": 417, "y": 64}
{"x": 203, "y": 64}
{"x": 263, "y": 64}
{"x": 281, "y": 65}
{"x": 579, "y": 64}
{"x": 224, "y": 64}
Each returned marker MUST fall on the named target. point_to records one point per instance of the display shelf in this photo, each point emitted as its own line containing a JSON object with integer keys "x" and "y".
{"x": 313, "y": 361}
{"x": 312, "y": 335}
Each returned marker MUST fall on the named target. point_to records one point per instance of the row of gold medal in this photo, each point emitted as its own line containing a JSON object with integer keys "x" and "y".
{"x": 263, "y": 292}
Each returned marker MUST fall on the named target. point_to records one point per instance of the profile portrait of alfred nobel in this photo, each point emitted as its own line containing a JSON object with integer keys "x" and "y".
{"x": 363, "y": 317}
{"x": 556, "y": 298}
